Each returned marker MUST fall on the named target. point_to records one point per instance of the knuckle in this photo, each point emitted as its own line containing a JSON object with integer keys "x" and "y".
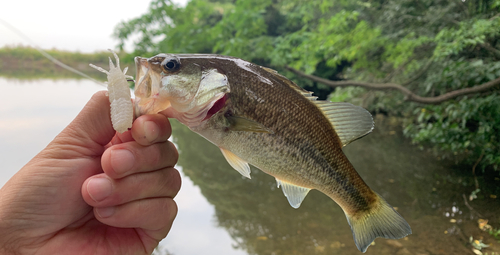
{"x": 174, "y": 181}
{"x": 169, "y": 154}
{"x": 169, "y": 183}
{"x": 171, "y": 207}
{"x": 174, "y": 152}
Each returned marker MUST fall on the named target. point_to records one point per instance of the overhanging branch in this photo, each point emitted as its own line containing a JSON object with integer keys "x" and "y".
{"x": 409, "y": 95}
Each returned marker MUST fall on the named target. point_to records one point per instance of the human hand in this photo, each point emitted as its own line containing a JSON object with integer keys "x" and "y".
{"x": 94, "y": 191}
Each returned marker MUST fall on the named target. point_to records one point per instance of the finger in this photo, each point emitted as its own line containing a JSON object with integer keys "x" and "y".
{"x": 151, "y": 128}
{"x": 122, "y": 137}
{"x": 128, "y": 158}
{"x": 154, "y": 214}
{"x": 92, "y": 127}
{"x": 94, "y": 120}
{"x": 102, "y": 191}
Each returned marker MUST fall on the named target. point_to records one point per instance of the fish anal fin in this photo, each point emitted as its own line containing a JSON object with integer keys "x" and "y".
{"x": 244, "y": 124}
{"x": 349, "y": 121}
{"x": 295, "y": 194}
{"x": 380, "y": 221}
{"x": 237, "y": 163}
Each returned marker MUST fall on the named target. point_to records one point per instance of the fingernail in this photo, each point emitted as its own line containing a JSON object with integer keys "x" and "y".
{"x": 122, "y": 160}
{"x": 105, "y": 212}
{"x": 99, "y": 188}
{"x": 151, "y": 131}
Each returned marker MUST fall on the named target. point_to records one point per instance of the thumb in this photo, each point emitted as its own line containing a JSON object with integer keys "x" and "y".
{"x": 92, "y": 128}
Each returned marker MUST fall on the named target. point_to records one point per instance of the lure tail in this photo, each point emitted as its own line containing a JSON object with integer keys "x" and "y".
{"x": 380, "y": 221}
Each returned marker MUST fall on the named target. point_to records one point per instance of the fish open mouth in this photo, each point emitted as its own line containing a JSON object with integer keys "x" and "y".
{"x": 147, "y": 89}
{"x": 143, "y": 84}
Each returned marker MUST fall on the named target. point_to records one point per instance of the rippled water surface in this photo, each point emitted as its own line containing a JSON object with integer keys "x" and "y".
{"x": 220, "y": 212}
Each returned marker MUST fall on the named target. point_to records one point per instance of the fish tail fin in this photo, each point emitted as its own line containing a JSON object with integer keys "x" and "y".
{"x": 380, "y": 221}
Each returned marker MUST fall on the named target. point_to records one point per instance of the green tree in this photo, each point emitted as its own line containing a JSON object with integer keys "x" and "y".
{"x": 441, "y": 59}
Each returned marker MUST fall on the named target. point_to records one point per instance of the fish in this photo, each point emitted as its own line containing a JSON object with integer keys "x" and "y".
{"x": 257, "y": 116}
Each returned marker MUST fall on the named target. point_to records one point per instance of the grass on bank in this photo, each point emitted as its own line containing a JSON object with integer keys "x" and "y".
{"x": 27, "y": 63}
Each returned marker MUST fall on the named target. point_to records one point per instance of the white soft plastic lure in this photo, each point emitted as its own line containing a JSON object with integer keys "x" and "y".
{"x": 122, "y": 111}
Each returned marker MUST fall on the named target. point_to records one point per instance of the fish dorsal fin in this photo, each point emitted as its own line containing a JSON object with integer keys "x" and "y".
{"x": 269, "y": 70}
{"x": 237, "y": 163}
{"x": 308, "y": 95}
{"x": 350, "y": 122}
{"x": 295, "y": 194}
{"x": 291, "y": 84}
{"x": 303, "y": 92}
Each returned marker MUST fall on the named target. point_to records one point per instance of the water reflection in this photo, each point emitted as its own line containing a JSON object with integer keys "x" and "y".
{"x": 33, "y": 112}
{"x": 260, "y": 220}
{"x": 219, "y": 209}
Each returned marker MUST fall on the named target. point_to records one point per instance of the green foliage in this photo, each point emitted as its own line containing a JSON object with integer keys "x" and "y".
{"x": 242, "y": 31}
{"x": 169, "y": 28}
{"x": 401, "y": 52}
{"x": 432, "y": 47}
{"x": 348, "y": 93}
{"x": 468, "y": 126}
{"x": 495, "y": 233}
{"x": 341, "y": 37}
{"x": 469, "y": 34}
{"x": 463, "y": 127}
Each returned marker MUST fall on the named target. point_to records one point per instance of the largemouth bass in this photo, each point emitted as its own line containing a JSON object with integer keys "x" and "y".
{"x": 257, "y": 116}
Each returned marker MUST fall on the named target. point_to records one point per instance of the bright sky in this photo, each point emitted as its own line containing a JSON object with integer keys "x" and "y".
{"x": 84, "y": 26}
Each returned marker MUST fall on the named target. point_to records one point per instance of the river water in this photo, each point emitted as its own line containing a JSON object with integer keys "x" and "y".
{"x": 220, "y": 212}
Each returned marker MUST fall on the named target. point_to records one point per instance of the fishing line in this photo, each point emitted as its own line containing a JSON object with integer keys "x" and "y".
{"x": 47, "y": 55}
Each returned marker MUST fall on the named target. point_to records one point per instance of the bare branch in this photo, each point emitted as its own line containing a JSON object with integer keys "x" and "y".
{"x": 409, "y": 95}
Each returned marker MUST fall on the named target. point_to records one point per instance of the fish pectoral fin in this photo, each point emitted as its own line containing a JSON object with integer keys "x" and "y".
{"x": 237, "y": 163}
{"x": 295, "y": 194}
{"x": 350, "y": 122}
{"x": 244, "y": 124}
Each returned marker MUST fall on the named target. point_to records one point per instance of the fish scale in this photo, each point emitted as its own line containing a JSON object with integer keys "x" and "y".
{"x": 268, "y": 121}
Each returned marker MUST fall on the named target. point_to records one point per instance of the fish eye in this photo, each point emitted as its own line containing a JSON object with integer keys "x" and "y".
{"x": 171, "y": 64}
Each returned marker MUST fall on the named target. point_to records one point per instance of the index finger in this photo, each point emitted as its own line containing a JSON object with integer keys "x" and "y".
{"x": 151, "y": 128}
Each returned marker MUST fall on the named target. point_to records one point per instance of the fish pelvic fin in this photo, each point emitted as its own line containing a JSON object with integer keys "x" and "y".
{"x": 237, "y": 163}
{"x": 380, "y": 221}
